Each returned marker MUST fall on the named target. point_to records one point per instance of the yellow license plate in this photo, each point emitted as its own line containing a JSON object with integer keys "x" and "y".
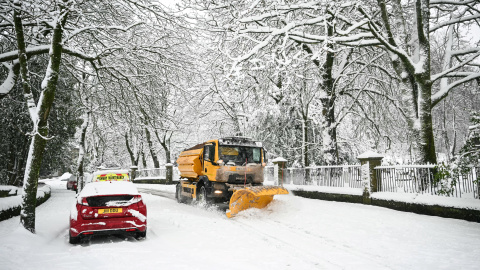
{"x": 110, "y": 210}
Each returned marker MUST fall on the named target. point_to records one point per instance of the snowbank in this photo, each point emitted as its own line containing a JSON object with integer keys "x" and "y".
{"x": 427, "y": 199}
{"x": 10, "y": 206}
{"x": 335, "y": 190}
{"x": 8, "y": 190}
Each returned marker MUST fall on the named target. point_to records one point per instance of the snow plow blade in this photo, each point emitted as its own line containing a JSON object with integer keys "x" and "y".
{"x": 249, "y": 197}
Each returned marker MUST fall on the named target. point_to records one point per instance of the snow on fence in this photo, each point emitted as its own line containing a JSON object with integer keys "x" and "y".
{"x": 155, "y": 174}
{"x": 330, "y": 176}
{"x": 422, "y": 179}
{"x": 401, "y": 179}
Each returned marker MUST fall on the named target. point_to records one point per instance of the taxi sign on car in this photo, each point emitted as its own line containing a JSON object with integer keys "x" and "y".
{"x": 111, "y": 176}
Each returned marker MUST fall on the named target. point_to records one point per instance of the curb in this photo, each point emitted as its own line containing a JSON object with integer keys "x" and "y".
{"x": 423, "y": 209}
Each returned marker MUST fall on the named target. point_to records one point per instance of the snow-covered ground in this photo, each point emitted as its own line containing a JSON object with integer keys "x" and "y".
{"x": 291, "y": 233}
{"x": 466, "y": 202}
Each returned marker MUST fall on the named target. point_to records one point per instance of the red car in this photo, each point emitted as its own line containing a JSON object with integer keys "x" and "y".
{"x": 108, "y": 208}
{"x": 72, "y": 183}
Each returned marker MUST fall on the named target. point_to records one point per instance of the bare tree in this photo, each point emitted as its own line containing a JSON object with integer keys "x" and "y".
{"x": 63, "y": 31}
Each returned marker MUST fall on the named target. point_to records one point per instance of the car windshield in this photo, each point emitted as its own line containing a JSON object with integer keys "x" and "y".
{"x": 240, "y": 155}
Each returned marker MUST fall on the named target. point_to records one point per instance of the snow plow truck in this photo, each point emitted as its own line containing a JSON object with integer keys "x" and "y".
{"x": 225, "y": 170}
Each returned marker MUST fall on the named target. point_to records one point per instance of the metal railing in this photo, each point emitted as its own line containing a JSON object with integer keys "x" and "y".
{"x": 400, "y": 178}
{"x": 424, "y": 179}
{"x": 331, "y": 176}
{"x": 156, "y": 173}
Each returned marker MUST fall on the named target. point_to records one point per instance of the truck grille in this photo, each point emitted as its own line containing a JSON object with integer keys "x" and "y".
{"x": 239, "y": 179}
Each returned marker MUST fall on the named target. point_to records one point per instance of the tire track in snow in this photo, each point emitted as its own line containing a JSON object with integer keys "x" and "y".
{"x": 298, "y": 250}
{"x": 160, "y": 193}
{"x": 302, "y": 240}
{"x": 342, "y": 246}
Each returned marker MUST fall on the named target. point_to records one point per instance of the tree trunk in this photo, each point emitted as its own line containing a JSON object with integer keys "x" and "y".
{"x": 426, "y": 143}
{"x": 19, "y": 169}
{"x": 130, "y": 152}
{"x": 415, "y": 72}
{"x": 81, "y": 152}
{"x": 30, "y": 181}
{"x": 306, "y": 161}
{"x": 329, "y": 125}
{"x": 329, "y": 132}
{"x": 144, "y": 160}
{"x": 12, "y": 160}
{"x": 39, "y": 115}
{"x": 156, "y": 164}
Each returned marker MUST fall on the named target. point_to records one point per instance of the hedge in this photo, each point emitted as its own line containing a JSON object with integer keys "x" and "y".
{"x": 15, "y": 210}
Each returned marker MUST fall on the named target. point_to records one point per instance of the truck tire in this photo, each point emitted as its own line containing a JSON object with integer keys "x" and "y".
{"x": 178, "y": 194}
{"x": 202, "y": 196}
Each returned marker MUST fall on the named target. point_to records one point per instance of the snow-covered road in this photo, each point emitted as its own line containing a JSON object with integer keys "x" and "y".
{"x": 292, "y": 233}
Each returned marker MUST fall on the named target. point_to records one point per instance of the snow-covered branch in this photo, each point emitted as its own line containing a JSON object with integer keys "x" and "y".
{"x": 452, "y": 2}
{"x": 455, "y": 21}
{"x": 442, "y": 93}
{"x": 9, "y": 82}
{"x": 459, "y": 65}
{"x": 76, "y": 32}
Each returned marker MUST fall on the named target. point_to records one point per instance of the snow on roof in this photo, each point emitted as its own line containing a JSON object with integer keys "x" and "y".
{"x": 108, "y": 188}
{"x": 279, "y": 159}
{"x": 65, "y": 175}
{"x": 369, "y": 154}
{"x": 110, "y": 171}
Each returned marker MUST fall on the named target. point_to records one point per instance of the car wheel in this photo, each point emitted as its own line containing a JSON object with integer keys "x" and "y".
{"x": 140, "y": 235}
{"x": 73, "y": 240}
{"x": 178, "y": 194}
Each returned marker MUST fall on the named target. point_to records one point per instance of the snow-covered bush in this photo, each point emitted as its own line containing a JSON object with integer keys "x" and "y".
{"x": 444, "y": 180}
{"x": 449, "y": 179}
{"x": 11, "y": 206}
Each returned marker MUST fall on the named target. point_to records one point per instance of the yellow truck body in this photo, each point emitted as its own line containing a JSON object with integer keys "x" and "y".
{"x": 225, "y": 170}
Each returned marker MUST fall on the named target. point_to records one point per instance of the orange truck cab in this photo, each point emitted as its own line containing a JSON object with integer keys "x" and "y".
{"x": 213, "y": 171}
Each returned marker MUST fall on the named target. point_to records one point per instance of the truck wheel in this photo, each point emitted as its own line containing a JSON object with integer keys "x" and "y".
{"x": 202, "y": 196}
{"x": 178, "y": 194}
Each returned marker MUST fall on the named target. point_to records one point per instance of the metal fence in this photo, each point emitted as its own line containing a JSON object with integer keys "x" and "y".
{"x": 331, "y": 176}
{"x": 400, "y": 178}
{"x": 269, "y": 174}
{"x": 426, "y": 179}
{"x": 157, "y": 173}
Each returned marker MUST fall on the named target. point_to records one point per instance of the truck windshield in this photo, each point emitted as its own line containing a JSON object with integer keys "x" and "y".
{"x": 240, "y": 155}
